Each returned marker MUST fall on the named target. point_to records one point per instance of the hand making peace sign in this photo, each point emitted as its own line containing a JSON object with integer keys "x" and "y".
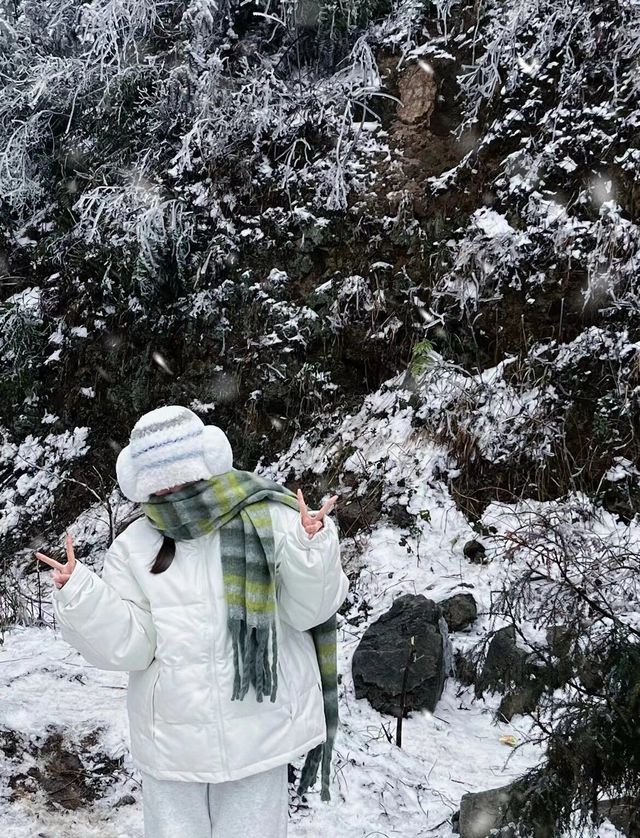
{"x": 315, "y": 522}
{"x": 61, "y": 572}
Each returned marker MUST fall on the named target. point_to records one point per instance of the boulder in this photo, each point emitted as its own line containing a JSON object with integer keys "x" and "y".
{"x": 459, "y": 611}
{"x": 559, "y": 640}
{"x": 475, "y": 551}
{"x": 519, "y": 702}
{"x": 495, "y": 813}
{"x": 418, "y": 88}
{"x": 485, "y": 811}
{"x": 358, "y": 512}
{"x": 505, "y": 663}
{"x": 512, "y": 670}
{"x": 465, "y": 668}
{"x": 383, "y": 655}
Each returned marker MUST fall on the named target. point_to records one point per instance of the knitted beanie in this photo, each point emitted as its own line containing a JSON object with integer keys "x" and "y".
{"x": 169, "y": 446}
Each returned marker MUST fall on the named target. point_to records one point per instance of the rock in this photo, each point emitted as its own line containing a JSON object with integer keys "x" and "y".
{"x": 590, "y": 674}
{"x": 504, "y": 664}
{"x": 495, "y": 812}
{"x": 465, "y": 668}
{"x": 508, "y": 668}
{"x": 379, "y": 662}
{"x": 125, "y": 800}
{"x": 400, "y": 516}
{"x": 418, "y": 88}
{"x": 559, "y": 640}
{"x": 484, "y": 811}
{"x": 623, "y": 813}
{"x": 359, "y": 512}
{"x": 522, "y": 676}
{"x": 475, "y": 551}
{"x": 459, "y": 611}
{"x": 518, "y": 703}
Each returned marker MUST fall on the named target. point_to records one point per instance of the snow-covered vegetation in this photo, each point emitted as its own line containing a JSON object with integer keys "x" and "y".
{"x": 392, "y": 249}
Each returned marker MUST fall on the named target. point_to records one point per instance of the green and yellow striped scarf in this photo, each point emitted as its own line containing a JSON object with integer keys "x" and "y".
{"x": 236, "y": 503}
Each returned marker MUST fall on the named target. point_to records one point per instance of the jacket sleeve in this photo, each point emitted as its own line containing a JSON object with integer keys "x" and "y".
{"x": 310, "y": 582}
{"x": 107, "y": 618}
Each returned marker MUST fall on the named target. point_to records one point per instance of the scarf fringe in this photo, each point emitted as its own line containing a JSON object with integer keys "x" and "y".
{"x": 251, "y": 665}
{"x": 235, "y": 628}
{"x": 320, "y": 754}
{"x": 251, "y": 660}
{"x": 261, "y": 648}
{"x": 274, "y": 664}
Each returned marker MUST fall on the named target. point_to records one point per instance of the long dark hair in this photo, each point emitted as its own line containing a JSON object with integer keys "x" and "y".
{"x": 165, "y": 555}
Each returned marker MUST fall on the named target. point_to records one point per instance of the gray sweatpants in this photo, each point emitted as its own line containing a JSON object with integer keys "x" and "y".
{"x": 252, "y": 807}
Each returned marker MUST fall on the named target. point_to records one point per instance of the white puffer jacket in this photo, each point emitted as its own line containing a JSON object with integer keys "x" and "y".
{"x": 169, "y": 631}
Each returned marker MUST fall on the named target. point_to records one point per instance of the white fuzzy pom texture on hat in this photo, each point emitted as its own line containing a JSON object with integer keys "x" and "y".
{"x": 168, "y": 446}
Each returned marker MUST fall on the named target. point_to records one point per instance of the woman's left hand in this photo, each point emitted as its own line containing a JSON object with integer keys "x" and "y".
{"x": 314, "y": 522}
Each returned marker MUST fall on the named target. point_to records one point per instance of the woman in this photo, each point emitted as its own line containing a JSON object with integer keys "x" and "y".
{"x": 220, "y": 602}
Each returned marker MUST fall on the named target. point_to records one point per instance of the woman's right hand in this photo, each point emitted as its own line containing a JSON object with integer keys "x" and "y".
{"x": 61, "y": 572}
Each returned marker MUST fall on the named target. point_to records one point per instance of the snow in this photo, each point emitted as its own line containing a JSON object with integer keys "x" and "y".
{"x": 28, "y": 302}
{"x": 378, "y": 788}
{"x": 621, "y": 469}
{"x": 41, "y": 463}
{"x": 201, "y": 407}
{"x": 284, "y": 153}
{"x": 57, "y": 336}
{"x": 161, "y": 361}
{"x": 492, "y": 223}
{"x": 409, "y": 792}
{"x": 419, "y": 785}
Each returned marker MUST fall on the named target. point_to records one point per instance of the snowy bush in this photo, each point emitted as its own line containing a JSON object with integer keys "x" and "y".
{"x": 571, "y": 591}
{"x": 37, "y": 465}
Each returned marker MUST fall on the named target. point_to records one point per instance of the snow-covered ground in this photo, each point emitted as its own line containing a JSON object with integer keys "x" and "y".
{"x": 379, "y": 789}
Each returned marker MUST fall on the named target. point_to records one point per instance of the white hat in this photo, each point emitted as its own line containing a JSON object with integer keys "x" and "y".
{"x": 169, "y": 446}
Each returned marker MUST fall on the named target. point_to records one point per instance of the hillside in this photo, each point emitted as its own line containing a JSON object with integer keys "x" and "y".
{"x": 391, "y": 249}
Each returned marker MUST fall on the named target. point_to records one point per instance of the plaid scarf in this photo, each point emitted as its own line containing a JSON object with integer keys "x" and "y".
{"x": 236, "y": 503}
